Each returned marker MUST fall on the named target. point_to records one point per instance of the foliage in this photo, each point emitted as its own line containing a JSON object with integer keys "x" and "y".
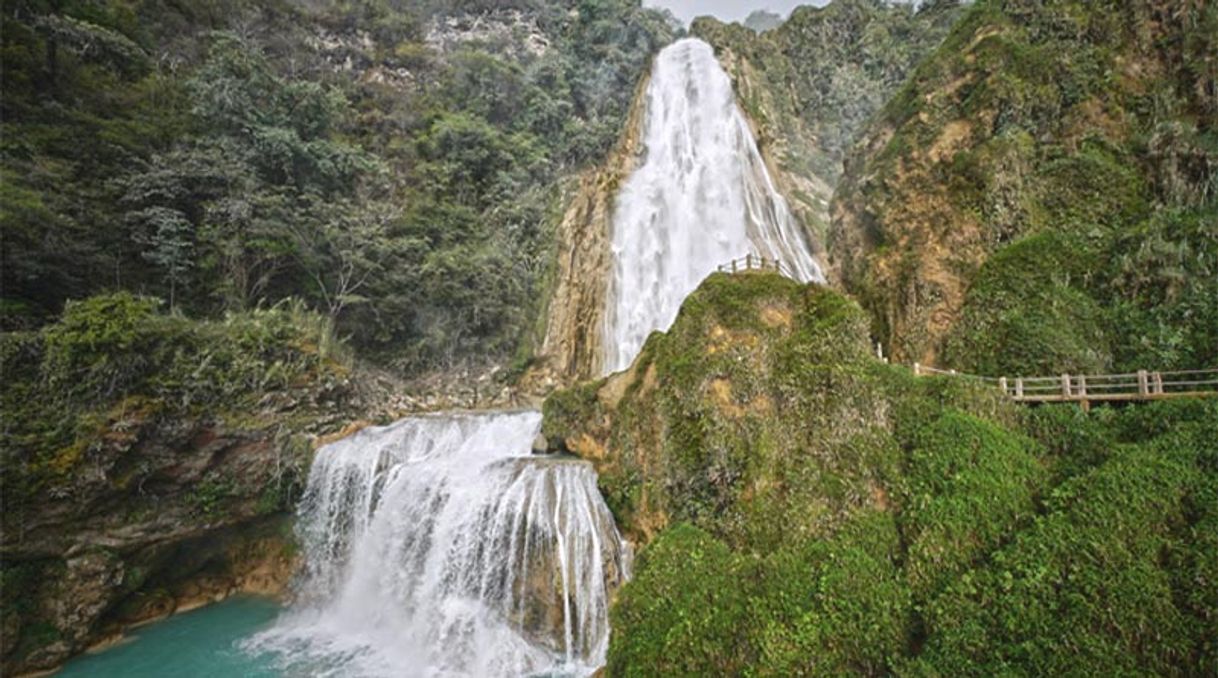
{"x": 806, "y": 510}
{"x": 1087, "y": 585}
{"x": 112, "y": 362}
{"x": 228, "y": 155}
{"x": 969, "y": 484}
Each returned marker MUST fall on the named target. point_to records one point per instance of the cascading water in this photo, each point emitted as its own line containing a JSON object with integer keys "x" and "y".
{"x": 439, "y": 546}
{"x": 701, "y": 198}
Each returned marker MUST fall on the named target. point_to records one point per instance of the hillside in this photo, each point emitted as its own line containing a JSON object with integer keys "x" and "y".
{"x": 397, "y": 165}
{"x": 1043, "y": 193}
{"x": 804, "y": 509}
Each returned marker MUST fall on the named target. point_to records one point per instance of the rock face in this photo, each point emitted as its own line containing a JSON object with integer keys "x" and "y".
{"x": 508, "y": 31}
{"x": 809, "y": 85}
{"x": 1000, "y": 212}
{"x": 167, "y": 516}
{"x": 572, "y": 348}
{"x": 168, "y": 486}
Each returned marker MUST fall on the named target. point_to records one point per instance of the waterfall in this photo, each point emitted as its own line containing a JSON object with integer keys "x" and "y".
{"x": 439, "y": 546}
{"x": 701, "y": 197}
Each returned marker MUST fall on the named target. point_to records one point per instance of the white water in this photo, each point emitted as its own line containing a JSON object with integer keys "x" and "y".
{"x": 701, "y": 198}
{"x": 439, "y": 546}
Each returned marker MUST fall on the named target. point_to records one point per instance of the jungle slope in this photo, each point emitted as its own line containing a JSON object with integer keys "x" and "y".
{"x": 804, "y": 509}
{"x": 1042, "y": 195}
{"x": 400, "y": 166}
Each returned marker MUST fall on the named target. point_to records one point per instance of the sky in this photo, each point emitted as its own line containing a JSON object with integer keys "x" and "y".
{"x": 727, "y": 10}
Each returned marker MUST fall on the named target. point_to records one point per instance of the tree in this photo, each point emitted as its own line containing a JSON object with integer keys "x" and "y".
{"x": 169, "y": 244}
{"x": 345, "y": 250}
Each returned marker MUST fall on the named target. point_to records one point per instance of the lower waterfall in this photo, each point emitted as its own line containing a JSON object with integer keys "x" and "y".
{"x": 440, "y": 546}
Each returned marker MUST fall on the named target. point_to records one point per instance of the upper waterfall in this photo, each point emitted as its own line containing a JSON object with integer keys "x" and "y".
{"x": 702, "y": 197}
{"x": 439, "y": 546}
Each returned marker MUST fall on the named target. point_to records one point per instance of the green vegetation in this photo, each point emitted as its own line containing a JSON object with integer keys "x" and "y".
{"x": 115, "y": 363}
{"x": 807, "y": 510}
{"x": 1050, "y": 172}
{"x": 399, "y": 176}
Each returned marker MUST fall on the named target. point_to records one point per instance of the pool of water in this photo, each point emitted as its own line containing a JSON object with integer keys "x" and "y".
{"x": 202, "y": 642}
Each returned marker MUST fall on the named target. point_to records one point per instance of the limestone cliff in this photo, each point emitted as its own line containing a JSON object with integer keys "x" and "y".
{"x": 1041, "y": 194}
{"x": 575, "y": 316}
{"x": 809, "y": 86}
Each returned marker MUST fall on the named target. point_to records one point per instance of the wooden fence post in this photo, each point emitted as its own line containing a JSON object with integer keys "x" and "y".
{"x": 1082, "y": 391}
{"x": 1158, "y": 381}
{"x": 917, "y": 370}
{"x": 1142, "y": 382}
{"x": 748, "y": 261}
{"x": 1066, "y": 385}
{"x": 1002, "y": 384}
{"x": 733, "y": 265}
{"x": 1019, "y": 387}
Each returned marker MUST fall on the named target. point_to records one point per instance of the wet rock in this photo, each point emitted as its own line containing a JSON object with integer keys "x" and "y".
{"x": 540, "y": 445}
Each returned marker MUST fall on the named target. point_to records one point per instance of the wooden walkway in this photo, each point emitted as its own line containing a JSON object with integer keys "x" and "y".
{"x": 1063, "y": 388}
{"x": 1088, "y": 388}
{"x": 753, "y": 262}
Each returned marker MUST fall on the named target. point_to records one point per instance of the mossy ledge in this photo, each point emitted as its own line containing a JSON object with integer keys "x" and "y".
{"x": 150, "y": 462}
{"x": 804, "y": 509}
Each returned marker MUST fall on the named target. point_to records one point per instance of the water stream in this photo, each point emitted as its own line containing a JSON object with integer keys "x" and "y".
{"x": 701, "y": 197}
{"x": 439, "y": 545}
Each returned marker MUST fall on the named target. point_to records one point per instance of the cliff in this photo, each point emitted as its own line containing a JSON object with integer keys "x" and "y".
{"x": 810, "y": 85}
{"x": 1041, "y": 194}
{"x": 571, "y": 349}
{"x": 150, "y": 463}
{"x": 801, "y": 508}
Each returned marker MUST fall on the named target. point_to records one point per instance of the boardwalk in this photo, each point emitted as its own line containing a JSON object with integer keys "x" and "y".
{"x": 753, "y": 262}
{"x": 1062, "y": 388}
{"x": 1089, "y": 388}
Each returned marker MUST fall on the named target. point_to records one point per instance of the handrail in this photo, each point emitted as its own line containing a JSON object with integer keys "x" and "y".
{"x": 756, "y": 262}
{"x": 1085, "y": 388}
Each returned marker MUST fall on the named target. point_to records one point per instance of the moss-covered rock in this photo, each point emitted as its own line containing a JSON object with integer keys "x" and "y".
{"x": 804, "y": 509}
{"x": 149, "y": 461}
{"x": 1024, "y": 202}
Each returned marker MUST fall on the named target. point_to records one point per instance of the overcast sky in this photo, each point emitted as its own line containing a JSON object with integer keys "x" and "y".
{"x": 728, "y": 10}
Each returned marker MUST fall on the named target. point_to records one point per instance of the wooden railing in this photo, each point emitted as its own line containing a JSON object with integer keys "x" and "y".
{"x": 753, "y": 262}
{"x": 1089, "y": 388}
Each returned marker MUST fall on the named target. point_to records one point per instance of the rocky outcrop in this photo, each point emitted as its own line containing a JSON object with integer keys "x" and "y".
{"x": 993, "y": 212}
{"x": 757, "y": 372}
{"x": 147, "y": 459}
{"x": 162, "y": 515}
{"x": 802, "y": 508}
{"x": 511, "y": 32}
{"x": 572, "y": 348}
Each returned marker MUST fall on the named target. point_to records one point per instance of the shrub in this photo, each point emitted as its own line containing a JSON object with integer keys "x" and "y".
{"x": 1086, "y": 585}
{"x": 970, "y": 484}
